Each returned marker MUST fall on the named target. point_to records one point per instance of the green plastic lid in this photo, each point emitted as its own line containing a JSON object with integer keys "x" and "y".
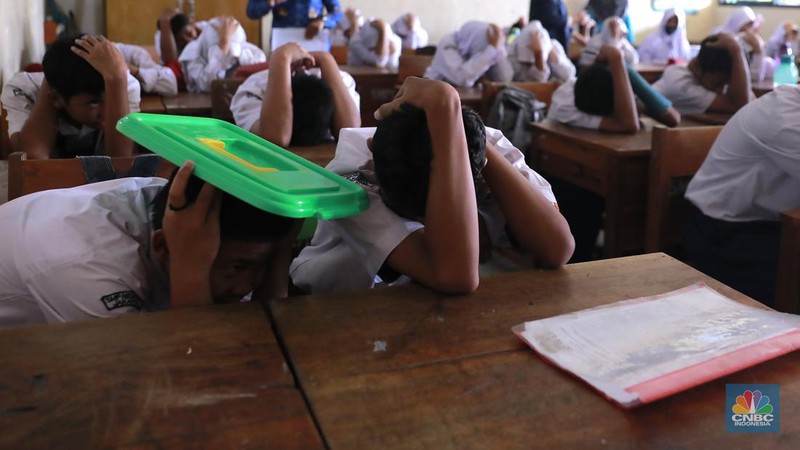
{"x": 247, "y": 166}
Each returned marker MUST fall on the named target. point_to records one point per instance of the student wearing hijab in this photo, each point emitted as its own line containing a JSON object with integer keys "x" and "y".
{"x": 536, "y": 57}
{"x": 554, "y": 18}
{"x": 613, "y": 34}
{"x": 785, "y": 37}
{"x": 375, "y": 45}
{"x": 669, "y": 41}
{"x": 475, "y": 50}
{"x": 743, "y": 23}
{"x": 352, "y": 21}
{"x": 410, "y": 30}
{"x": 600, "y": 10}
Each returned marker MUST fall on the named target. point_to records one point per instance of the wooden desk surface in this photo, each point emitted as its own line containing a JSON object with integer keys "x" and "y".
{"x": 707, "y": 118}
{"x": 408, "y": 368}
{"x": 190, "y": 378}
{"x": 376, "y": 86}
{"x": 650, "y": 71}
{"x": 320, "y": 154}
{"x": 189, "y": 104}
{"x": 152, "y": 104}
{"x": 763, "y": 87}
{"x": 630, "y": 144}
{"x": 369, "y": 71}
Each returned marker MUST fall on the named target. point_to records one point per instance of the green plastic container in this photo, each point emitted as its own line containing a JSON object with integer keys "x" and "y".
{"x": 247, "y": 166}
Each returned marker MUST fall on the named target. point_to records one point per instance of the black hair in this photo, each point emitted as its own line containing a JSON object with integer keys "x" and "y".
{"x": 714, "y": 59}
{"x": 312, "y": 110}
{"x": 177, "y": 23}
{"x": 594, "y": 90}
{"x": 69, "y": 74}
{"x": 402, "y": 152}
{"x": 238, "y": 220}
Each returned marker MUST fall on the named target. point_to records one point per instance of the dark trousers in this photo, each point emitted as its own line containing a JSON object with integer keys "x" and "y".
{"x": 583, "y": 210}
{"x": 743, "y": 255}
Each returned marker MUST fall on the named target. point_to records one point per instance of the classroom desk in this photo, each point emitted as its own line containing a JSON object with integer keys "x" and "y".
{"x": 376, "y": 86}
{"x": 209, "y": 377}
{"x": 650, "y": 71}
{"x": 472, "y": 97}
{"x": 406, "y": 367}
{"x": 762, "y": 87}
{"x": 707, "y": 118}
{"x": 188, "y": 104}
{"x": 320, "y": 154}
{"x": 612, "y": 165}
{"x": 152, "y": 104}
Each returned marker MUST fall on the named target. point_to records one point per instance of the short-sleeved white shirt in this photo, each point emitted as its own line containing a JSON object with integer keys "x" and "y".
{"x": 246, "y": 102}
{"x": 74, "y": 254}
{"x": 685, "y": 92}
{"x": 753, "y": 169}
{"x": 563, "y": 109}
{"x": 362, "y": 243}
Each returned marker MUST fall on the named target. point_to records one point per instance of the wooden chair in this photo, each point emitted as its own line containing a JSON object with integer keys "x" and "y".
{"x": 412, "y": 66}
{"x": 340, "y": 53}
{"x": 26, "y": 176}
{"x": 787, "y": 288}
{"x": 676, "y": 155}
{"x": 5, "y": 143}
{"x": 222, "y": 91}
{"x": 543, "y": 92}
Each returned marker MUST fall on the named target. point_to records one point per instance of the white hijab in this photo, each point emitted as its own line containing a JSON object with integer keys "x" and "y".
{"x": 603, "y": 38}
{"x": 471, "y": 38}
{"x": 522, "y": 43}
{"x": 660, "y": 46}
{"x": 737, "y": 20}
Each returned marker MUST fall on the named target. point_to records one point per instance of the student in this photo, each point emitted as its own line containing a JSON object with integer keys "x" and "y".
{"x": 153, "y": 77}
{"x": 174, "y": 32}
{"x": 475, "y": 50}
{"x": 352, "y": 21}
{"x": 669, "y": 42}
{"x": 601, "y": 10}
{"x": 409, "y": 28}
{"x": 744, "y": 24}
{"x": 613, "y": 33}
{"x": 73, "y": 107}
{"x": 220, "y": 48}
{"x": 553, "y": 16}
{"x": 134, "y": 244}
{"x": 582, "y": 28}
{"x": 602, "y": 97}
{"x": 716, "y": 80}
{"x": 306, "y": 14}
{"x": 536, "y": 57}
{"x": 288, "y": 105}
{"x": 751, "y": 174}
{"x": 425, "y": 221}
{"x": 786, "y": 38}
{"x": 375, "y": 45}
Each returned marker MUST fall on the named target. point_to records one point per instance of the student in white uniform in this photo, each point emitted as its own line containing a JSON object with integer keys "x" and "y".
{"x": 716, "y": 80}
{"x": 466, "y": 55}
{"x": 302, "y": 99}
{"x": 409, "y": 28}
{"x": 352, "y": 21}
{"x": 153, "y": 77}
{"x": 132, "y": 244}
{"x": 669, "y": 41}
{"x": 743, "y": 23}
{"x": 536, "y": 57}
{"x": 219, "y": 49}
{"x": 614, "y": 33}
{"x": 73, "y": 107}
{"x": 751, "y": 174}
{"x": 786, "y": 37}
{"x": 376, "y": 45}
{"x": 437, "y": 173}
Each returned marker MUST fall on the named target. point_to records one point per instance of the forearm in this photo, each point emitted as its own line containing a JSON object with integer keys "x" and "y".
{"x": 38, "y": 136}
{"x": 345, "y": 111}
{"x": 116, "y": 107}
{"x": 624, "y": 101}
{"x": 535, "y": 222}
{"x": 189, "y": 286}
{"x": 275, "y": 122}
{"x": 169, "y": 49}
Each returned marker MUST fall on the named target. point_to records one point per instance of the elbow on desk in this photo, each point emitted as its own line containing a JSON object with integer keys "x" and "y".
{"x": 455, "y": 282}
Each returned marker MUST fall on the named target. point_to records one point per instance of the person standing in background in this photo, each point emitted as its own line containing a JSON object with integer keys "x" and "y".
{"x": 554, "y": 18}
{"x": 298, "y": 13}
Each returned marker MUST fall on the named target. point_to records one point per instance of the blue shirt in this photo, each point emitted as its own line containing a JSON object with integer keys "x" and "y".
{"x": 296, "y": 13}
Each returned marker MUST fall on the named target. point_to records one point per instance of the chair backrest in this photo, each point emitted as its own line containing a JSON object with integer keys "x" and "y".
{"x": 787, "y": 287}
{"x": 543, "y": 92}
{"x": 222, "y": 91}
{"x": 675, "y": 156}
{"x": 340, "y": 53}
{"x": 412, "y": 66}
{"x": 26, "y": 176}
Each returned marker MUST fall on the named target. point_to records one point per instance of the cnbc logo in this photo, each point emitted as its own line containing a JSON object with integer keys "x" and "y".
{"x": 752, "y": 408}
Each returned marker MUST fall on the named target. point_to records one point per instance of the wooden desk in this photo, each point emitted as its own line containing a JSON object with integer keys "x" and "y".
{"x": 408, "y": 368}
{"x": 472, "y": 97}
{"x": 612, "y": 165}
{"x": 763, "y": 87}
{"x": 190, "y": 378}
{"x": 320, "y": 154}
{"x": 376, "y": 86}
{"x": 152, "y": 104}
{"x": 189, "y": 104}
{"x": 707, "y": 118}
{"x": 650, "y": 71}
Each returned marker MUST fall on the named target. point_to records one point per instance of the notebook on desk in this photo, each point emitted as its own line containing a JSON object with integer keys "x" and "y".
{"x": 638, "y": 351}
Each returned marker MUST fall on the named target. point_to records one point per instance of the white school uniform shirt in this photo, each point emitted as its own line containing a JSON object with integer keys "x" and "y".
{"x": 155, "y": 78}
{"x": 203, "y": 61}
{"x": 338, "y": 38}
{"x": 753, "y": 169}
{"x": 464, "y": 56}
{"x": 414, "y": 38}
{"x": 201, "y": 25}
{"x": 74, "y": 254}
{"x": 524, "y": 62}
{"x": 362, "y": 243}
{"x": 604, "y": 38}
{"x": 246, "y": 102}
{"x": 685, "y": 92}
{"x": 660, "y": 47}
{"x": 563, "y": 110}
{"x": 19, "y": 97}
{"x": 362, "y": 48}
